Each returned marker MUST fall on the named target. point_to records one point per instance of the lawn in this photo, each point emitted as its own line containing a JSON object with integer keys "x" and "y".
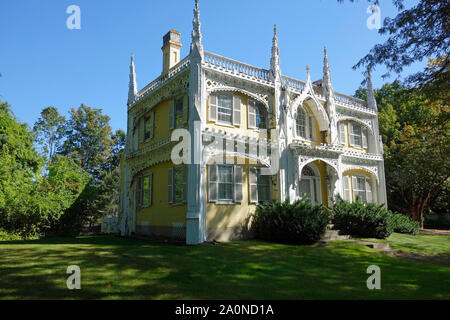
{"x": 427, "y": 245}
{"x": 115, "y": 268}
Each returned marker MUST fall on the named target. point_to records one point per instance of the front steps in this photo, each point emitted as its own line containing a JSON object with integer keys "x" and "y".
{"x": 332, "y": 234}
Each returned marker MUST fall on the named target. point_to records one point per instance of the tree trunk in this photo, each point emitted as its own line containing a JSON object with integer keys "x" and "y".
{"x": 417, "y": 215}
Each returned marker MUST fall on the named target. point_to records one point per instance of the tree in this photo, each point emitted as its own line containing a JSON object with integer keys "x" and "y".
{"x": 422, "y": 31}
{"x": 88, "y": 139}
{"x": 49, "y": 130}
{"x": 416, "y": 139}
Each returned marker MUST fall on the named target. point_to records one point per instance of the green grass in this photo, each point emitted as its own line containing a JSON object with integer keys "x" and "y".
{"x": 114, "y": 268}
{"x": 427, "y": 245}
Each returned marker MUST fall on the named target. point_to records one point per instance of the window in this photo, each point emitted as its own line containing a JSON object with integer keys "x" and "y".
{"x": 257, "y": 115}
{"x": 148, "y": 126}
{"x": 301, "y": 123}
{"x": 259, "y": 186}
{"x": 179, "y": 121}
{"x": 358, "y": 135}
{"x": 178, "y": 112}
{"x": 144, "y": 192}
{"x": 177, "y": 185}
{"x": 225, "y": 108}
{"x": 225, "y": 183}
{"x": 362, "y": 189}
{"x": 304, "y": 125}
{"x": 342, "y": 133}
{"x": 309, "y": 186}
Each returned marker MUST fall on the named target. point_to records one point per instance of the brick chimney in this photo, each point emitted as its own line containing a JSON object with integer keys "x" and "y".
{"x": 171, "y": 50}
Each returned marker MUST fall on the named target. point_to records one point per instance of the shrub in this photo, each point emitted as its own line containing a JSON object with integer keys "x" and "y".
{"x": 403, "y": 224}
{"x": 300, "y": 222}
{"x": 361, "y": 219}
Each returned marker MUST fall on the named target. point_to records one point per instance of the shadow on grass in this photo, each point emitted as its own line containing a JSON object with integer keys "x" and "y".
{"x": 115, "y": 268}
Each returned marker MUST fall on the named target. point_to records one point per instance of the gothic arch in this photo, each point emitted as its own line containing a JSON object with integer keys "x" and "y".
{"x": 316, "y": 107}
{"x": 361, "y": 122}
{"x": 370, "y": 172}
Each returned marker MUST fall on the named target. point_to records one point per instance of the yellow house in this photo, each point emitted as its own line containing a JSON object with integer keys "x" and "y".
{"x": 212, "y": 137}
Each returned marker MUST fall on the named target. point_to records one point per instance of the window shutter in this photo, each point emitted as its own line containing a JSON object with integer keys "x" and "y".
{"x": 253, "y": 185}
{"x": 364, "y": 137}
{"x": 369, "y": 190}
{"x": 346, "y": 188}
{"x": 150, "y": 189}
{"x": 352, "y": 137}
{"x": 185, "y": 109}
{"x": 142, "y": 123}
{"x": 251, "y": 114}
{"x": 212, "y": 177}
{"x": 342, "y": 135}
{"x": 354, "y": 187}
{"x": 139, "y": 191}
{"x": 213, "y": 108}
{"x": 311, "y": 127}
{"x": 171, "y": 114}
{"x": 170, "y": 185}
{"x": 238, "y": 184}
{"x": 236, "y": 110}
{"x": 152, "y": 125}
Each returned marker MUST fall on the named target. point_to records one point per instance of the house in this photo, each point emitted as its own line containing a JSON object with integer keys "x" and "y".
{"x": 252, "y": 135}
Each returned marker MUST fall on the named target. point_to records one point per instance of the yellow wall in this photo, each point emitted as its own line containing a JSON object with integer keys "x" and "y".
{"x": 161, "y": 129}
{"x": 225, "y": 217}
{"x": 161, "y": 212}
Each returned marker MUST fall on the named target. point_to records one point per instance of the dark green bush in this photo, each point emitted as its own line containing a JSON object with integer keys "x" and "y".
{"x": 361, "y": 219}
{"x": 404, "y": 224}
{"x": 300, "y": 222}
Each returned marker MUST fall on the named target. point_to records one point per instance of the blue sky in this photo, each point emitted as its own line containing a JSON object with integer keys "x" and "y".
{"x": 45, "y": 64}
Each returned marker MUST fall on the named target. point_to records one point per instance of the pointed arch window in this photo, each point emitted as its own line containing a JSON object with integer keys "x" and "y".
{"x": 309, "y": 186}
{"x": 257, "y": 115}
{"x": 304, "y": 127}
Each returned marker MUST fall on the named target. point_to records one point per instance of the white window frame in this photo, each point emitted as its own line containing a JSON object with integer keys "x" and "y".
{"x": 362, "y": 136}
{"x": 259, "y": 185}
{"x": 367, "y": 188}
{"x": 308, "y": 126}
{"x": 236, "y": 183}
{"x": 255, "y": 109}
{"x": 314, "y": 185}
{"x": 230, "y": 108}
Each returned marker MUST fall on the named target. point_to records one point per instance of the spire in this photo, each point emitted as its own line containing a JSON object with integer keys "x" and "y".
{"x": 371, "y": 102}
{"x": 326, "y": 80}
{"x": 132, "y": 85}
{"x": 308, "y": 75}
{"x": 275, "y": 70}
{"x": 196, "y": 44}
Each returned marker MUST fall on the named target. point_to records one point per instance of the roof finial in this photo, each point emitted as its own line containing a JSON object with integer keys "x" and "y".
{"x": 275, "y": 69}
{"x": 196, "y": 44}
{"x": 132, "y": 85}
{"x": 326, "y": 79}
{"x": 371, "y": 101}
{"x": 308, "y": 75}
